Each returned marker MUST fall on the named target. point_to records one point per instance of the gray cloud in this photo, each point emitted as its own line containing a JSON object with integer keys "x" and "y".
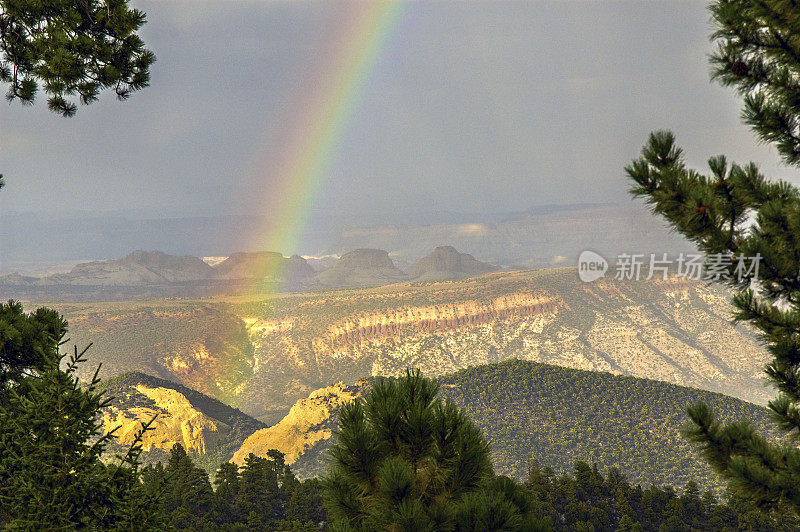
{"x": 473, "y": 107}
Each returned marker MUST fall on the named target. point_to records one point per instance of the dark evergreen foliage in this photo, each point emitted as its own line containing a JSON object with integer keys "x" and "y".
{"x": 52, "y": 473}
{"x": 758, "y": 53}
{"x": 559, "y": 416}
{"x": 589, "y": 501}
{"x": 583, "y": 500}
{"x": 261, "y": 495}
{"x": 733, "y": 210}
{"x": 28, "y": 342}
{"x": 71, "y": 49}
{"x": 405, "y": 460}
{"x": 391, "y": 470}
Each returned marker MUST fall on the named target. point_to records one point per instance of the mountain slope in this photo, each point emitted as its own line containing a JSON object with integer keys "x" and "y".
{"x": 208, "y": 429}
{"x": 262, "y": 353}
{"x": 676, "y": 330}
{"x": 560, "y": 415}
{"x": 202, "y": 346}
{"x": 531, "y": 411}
{"x": 309, "y": 421}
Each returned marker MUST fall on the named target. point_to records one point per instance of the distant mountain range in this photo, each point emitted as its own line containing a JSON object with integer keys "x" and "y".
{"x": 536, "y": 239}
{"x": 539, "y": 237}
{"x": 187, "y": 275}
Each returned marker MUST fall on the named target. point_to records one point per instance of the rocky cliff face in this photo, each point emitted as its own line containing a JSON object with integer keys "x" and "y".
{"x": 429, "y": 319}
{"x": 177, "y": 422}
{"x": 309, "y": 422}
{"x": 445, "y": 262}
{"x": 676, "y": 331}
{"x": 209, "y": 430}
{"x": 362, "y": 267}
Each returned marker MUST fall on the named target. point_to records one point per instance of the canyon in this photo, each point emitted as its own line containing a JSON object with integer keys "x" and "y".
{"x": 263, "y": 352}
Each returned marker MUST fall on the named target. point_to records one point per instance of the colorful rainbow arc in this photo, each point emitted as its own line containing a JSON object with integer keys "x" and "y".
{"x": 321, "y": 118}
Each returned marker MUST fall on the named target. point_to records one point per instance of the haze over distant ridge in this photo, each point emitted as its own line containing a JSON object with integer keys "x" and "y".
{"x": 540, "y": 237}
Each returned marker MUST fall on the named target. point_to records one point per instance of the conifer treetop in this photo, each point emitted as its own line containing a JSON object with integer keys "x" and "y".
{"x": 72, "y": 50}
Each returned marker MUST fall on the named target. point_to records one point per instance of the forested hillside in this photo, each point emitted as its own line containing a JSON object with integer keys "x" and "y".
{"x": 554, "y": 415}
{"x": 263, "y": 494}
{"x": 558, "y": 416}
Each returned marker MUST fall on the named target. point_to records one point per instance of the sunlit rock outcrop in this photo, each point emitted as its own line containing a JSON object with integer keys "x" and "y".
{"x": 309, "y": 422}
{"x": 178, "y": 422}
{"x": 208, "y": 429}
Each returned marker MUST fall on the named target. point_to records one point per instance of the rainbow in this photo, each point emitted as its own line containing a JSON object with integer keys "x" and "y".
{"x": 297, "y": 158}
{"x": 328, "y": 99}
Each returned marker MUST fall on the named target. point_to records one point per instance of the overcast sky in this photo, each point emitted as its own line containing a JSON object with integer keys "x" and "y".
{"x": 472, "y": 107}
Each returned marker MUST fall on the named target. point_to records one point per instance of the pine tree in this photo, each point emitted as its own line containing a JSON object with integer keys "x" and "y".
{"x": 71, "y": 48}
{"x": 52, "y": 474}
{"x": 28, "y": 342}
{"x": 261, "y": 486}
{"x": 227, "y": 482}
{"x": 305, "y": 502}
{"x": 405, "y": 460}
{"x": 734, "y": 212}
{"x": 188, "y": 497}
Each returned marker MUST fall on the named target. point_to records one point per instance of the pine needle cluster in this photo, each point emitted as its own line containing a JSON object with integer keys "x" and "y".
{"x": 72, "y": 50}
{"x": 734, "y": 211}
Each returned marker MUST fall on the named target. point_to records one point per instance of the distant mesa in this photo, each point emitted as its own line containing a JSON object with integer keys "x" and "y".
{"x": 155, "y": 272}
{"x": 360, "y": 268}
{"x": 446, "y": 262}
{"x": 264, "y": 265}
{"x": 135, "y": 269}
{"x": 170, "y": 267}
{"x": 155, "y": 268}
